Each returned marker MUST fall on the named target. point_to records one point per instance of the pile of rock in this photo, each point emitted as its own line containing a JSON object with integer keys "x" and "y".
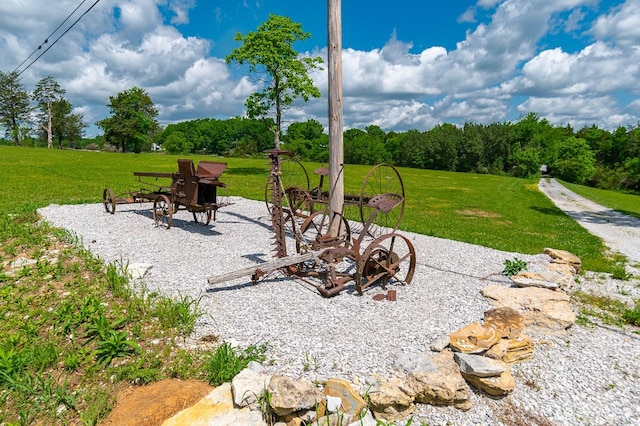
{"x": 478, "y": 355}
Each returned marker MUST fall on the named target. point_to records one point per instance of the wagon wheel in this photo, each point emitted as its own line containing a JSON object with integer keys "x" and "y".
{"x": 109, "y": 200}
{"x": 314, "y": 233}
{"x": 382, "y": 179}
{"x": 293, "y": 178}
{"x": 202, "y": 216}
{"x": 388, "y": 258}
{"x": 163, "y": 211}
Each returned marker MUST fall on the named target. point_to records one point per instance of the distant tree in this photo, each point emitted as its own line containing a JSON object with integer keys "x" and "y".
{"x": 270, "y": 55}
{"x": 132, "y": 120}
{"x": 14, "y": 104}
{"x": 576, "y": 162}
{"x": 307, "y": 140}
{"x": 46, "y": 93}
{"x": 177, "y": 143}
{"x": 65, "y": 124}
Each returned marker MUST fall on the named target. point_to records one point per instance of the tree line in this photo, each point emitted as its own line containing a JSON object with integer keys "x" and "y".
{"x": 590, "y": 155}
{"x": 45, "y": 111}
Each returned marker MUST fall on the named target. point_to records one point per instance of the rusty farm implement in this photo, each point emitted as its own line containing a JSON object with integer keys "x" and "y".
{"x": 196, "y": 191}
{"x": 327, "y": 256}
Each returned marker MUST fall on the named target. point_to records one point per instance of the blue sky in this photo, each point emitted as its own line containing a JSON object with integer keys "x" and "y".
{"x": 407, "y": 64}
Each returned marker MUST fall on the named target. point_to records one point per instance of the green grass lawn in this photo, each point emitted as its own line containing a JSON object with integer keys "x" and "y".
{"x": 499, "y": 212}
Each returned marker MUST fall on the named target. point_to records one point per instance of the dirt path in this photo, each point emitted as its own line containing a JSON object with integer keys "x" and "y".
{"x": 619, "y": 232}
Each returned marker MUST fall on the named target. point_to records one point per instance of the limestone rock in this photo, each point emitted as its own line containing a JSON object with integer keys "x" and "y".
{"x": 350, "y": 402}
{"x": 248, "y": 386}
{"x": 410, "y": 362}
{"x": 540, "y": 308}
{"x": 479, "y": 366}
{"x": 496, "y": 386}
{"x": 507, "y": 321}
{"x": 519, "y": 349}
{"x": 564, "y": 257}
{"x": 218, "y": 403}
{"x": 440, "y": 344}
{"x": 533, "y": 279}
{"x": 156, "y": 402}
{"x": 243, "y": 417}
{"x": 138, "y": 270}
{"x": 445, "y": 386}
{"x": 288, "y": 396}
{"x": 474, "y": 338}
{"x": 367, "y": 420}
{"x": 333, "y": 419}
{"x": 392, "y": 401}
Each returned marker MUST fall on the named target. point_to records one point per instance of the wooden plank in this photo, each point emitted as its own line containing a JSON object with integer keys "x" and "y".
{"x": 264, "y": 268}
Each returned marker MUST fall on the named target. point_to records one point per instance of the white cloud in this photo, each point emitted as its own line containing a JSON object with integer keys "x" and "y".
{"x": 603, "y": 110}
{"x": 622, "y": 25}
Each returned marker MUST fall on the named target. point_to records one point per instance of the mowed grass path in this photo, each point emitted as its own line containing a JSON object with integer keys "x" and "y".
{"x": 499, "y": 212}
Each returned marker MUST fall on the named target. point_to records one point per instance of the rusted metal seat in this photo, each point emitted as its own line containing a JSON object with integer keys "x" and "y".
{"x": 385, "y": 202}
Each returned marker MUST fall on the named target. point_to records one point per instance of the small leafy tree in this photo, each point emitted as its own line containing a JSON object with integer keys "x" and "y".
{"x": 46, "y": 93}
{"x": 14, "y": 104}
{"x": 177, "y": 143}
{"x": 65, "y": 124}
{"x": 132, "y": 120}
{"x": 270, "y": 55}
{"x": 576, "y": 162}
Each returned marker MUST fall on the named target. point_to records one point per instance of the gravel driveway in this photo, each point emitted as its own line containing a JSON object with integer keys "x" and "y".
{"x": 587, "y": 376}
{"x": 619, "y": 232}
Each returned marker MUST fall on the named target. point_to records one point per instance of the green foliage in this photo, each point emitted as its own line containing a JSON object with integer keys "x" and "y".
{"x": 226, "y": 362}
{"x": 132, "y": 120}
{"x": 576, "y": 162}
{"x": 180, "y": 314}
{"x": 512, "y": 267}
{"x": 270, "y": 55}
{"x": 606, "y": 310}
{"x": 14, "y": 104}
{"x": 632, "y": 316}
{"x": 113, "y": 344}
{"x": 177, "y": 143}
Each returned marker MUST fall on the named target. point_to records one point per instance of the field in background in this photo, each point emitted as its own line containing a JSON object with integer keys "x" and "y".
{"x": 504, "y": 213}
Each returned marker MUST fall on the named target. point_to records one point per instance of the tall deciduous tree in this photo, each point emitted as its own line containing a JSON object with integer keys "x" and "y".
{"x": 65, "y": 124}
{"x": 14, "y": 104}
{"x": 46, "y": 93}
{"x": 271, "y": 57}
{"x": 133, "y": 118}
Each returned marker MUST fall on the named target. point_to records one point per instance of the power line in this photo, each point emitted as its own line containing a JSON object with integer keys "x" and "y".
{"x": 59, "y": 37}
{"x": 46, "y": 40}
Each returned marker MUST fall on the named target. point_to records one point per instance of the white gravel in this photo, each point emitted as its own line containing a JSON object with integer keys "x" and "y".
{"x": 589, "y": 376}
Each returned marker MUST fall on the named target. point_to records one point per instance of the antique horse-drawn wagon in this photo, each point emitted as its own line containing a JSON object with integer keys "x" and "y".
{"x": 196, "y": 191}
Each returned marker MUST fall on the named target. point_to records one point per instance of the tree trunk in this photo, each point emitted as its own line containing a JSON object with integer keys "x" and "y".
{"x": 49, "y": 132}
{"x": 14, "y": 132}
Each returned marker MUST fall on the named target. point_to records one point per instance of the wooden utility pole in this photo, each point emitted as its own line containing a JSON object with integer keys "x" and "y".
{"x": 336, "y": 152}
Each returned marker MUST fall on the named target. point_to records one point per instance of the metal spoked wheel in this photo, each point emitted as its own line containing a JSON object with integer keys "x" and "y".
{"x": 202, "y": 216}
{"x": 109, "y": 200}
{"x": 163, "y": 211}
{"x": 293, "y": 175}
{"x": 314, "y": 233}
{"x": 389, "y": 258}
{"x": 382, "y": 179}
